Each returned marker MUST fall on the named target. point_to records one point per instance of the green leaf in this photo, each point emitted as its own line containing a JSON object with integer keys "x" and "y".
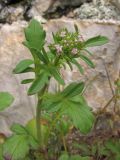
{"x": 52, "y": 102}
{"x": 88, "y": 52}
{"x": 16, "y": 147}
{"x": 87, "y": 60}
{"x": 77, "y": 157}
{"x": 74, "y": 61}
{"x": 1, "y": 152}
{"x": 38, "y": 84}
{"x": 73, "y": 89}
{"x": 55, "y": 73}
{"x": 80, "y": 113}
{"x": 33, "y": 142}
{"x": 64, "y": 157}
{"x": 74, "y": 157}
{"x": 96, "y": 41}
{"x": 75, "y": 107}
{"x": 35, "y": 35}
{"x": 18, "y": 129}
{"x": 113, "y": 146}
{"x": 39, "y": 55}
{"x": 6, "y": 99}
{"x": 25, "y": 81}
{"x": 22, "y": 66}
{"x": 21, "y": 130}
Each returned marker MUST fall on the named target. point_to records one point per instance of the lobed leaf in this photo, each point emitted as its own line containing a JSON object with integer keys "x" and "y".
{"x": 80, "y": 114}
{"x": 16, "y": 147}
{"x": 74, "y": 106}
{"x": 35, "y": 35}
{"x": 18, "y": 129}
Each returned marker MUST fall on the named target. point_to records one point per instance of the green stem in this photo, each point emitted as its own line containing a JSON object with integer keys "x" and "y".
{"x": 38, "y": 113}
{"x": 38, "y": 120}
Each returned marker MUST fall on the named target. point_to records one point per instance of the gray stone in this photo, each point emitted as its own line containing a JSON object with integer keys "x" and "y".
{"x": 11, "y": 51}
{"x": 98, "y": 10}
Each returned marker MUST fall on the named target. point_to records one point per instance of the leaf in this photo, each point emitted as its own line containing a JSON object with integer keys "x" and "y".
{"x": 52, "y": 102}
{"x": 75, "y": 107}
{"x": 38, "y": 84}
{"x": 74, "y": 157}
{"x": 73, "y": 89}
{"x": 79, "y": 113}
{"x": 87, "y": 60}
{"x": 113, "y": 146}
{"x": 88, "y": 52}
{"x": 1, "y": 152}
{"x": 35, "y": 35}
{"x": 22, "y": 66}
{"x": 64, "y": 157}
{"x": 18, "y": 129}
{"x": 96, "y": 41}
{"x": 33, "y": 142}
{"x": 77, "y": 157}
{"x": 74, "y": 61}
{"x": 16, "y": 147}
{"x": 55, "y": 73}
{"x": 21, "y": 130}
{"x": 6, "y": 99}
{"x": 39, "y": 55}
{"x": 25, "y": 81}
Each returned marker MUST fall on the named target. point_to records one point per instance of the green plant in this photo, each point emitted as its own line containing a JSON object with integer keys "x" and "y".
{"x": 6, "y": 99}
{"x": 56, "y": 113}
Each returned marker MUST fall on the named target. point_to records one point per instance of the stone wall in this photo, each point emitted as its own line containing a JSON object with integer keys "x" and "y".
{"x": 11, "y": 51}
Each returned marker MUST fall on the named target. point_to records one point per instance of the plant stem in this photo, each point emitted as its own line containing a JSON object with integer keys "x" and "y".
{"x": 38, "y": 113}
{"x": 38, "y": 120}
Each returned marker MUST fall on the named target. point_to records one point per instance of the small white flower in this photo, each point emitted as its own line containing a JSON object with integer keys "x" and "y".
{"x": 74, "y": 51}
{"x": 58, "y": 48}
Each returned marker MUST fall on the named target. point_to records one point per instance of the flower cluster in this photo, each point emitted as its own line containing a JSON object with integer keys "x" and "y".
{"x": 67, "y": 43}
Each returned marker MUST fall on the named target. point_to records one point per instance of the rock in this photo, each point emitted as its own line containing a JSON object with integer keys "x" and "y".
{"x": 8, "y": 2}
{"x": 117, "y": 3}
{"x": 99, "y": 11}
{"x": 11, "y": 51}
{"x": 54, "y": 4}
{"x": 11, "y": 10}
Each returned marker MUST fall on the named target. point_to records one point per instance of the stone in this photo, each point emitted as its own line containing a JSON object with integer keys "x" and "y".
{"x": 11, "y": 10}
{"x": 12, "y": 51}
{"x": 99, "y": 10}
{"x": 117, "y": 3}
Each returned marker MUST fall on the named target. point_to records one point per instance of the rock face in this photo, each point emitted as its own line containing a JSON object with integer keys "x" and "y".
{"x": 11, "y": 51}
{"x": 13, "y": 10}
{"x": 98, "y": 10}
{"x": 117, "y": 3}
